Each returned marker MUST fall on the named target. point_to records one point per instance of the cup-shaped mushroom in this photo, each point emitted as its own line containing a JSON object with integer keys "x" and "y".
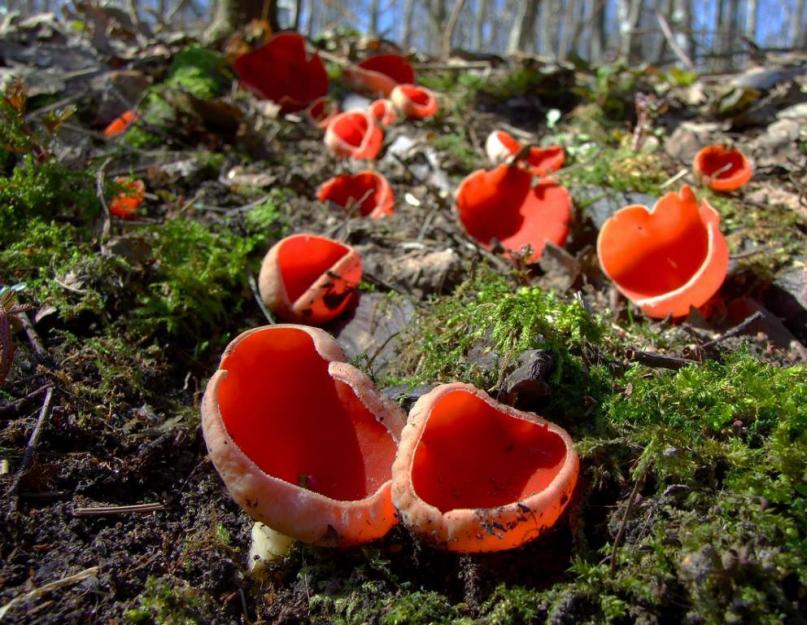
{"x": 321, "y": 111}
{"x": 666, "y": 259}
{"x": 501, "y": 146}
{"x": 284, "y": 72}
{"x": 121, "y": 124}
{"x": 126, "y": 203}
{"x": 354, "y": 134}
{"x": 414, "y": 102}
{"x": 501, "y": 206}
{"x": 722, "y": 168}
{"x": 378, "y": 75}
{"x": 302, "y": 440}
{"x": 368, "y": 194}
{"x": 472, "y": 474}
{"x": 383, "y": 112}
{"x": 308, "y": 278}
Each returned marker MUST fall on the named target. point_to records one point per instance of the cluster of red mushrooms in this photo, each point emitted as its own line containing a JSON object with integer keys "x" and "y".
{"x": 305, "y": 442}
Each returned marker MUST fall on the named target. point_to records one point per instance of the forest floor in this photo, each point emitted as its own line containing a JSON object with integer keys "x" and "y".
{"x": 692, "y": 501}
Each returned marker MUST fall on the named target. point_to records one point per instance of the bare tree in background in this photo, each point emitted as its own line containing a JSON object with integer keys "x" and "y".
{"x": 798, "y": 38}
{"x": 479, "y": 27}
{"x": 229, "y": 15}
{"x": 523, "y": 31}
{"x": 628, "y": 14}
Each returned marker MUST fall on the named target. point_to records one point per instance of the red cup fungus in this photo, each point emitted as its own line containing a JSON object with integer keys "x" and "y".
{"x": 354, "y": 134}
{"x": 666, "y": 259}
{"x": 501, "y": 206}
{"x": 475, "y": 475}
{"x": 383, "y": 112}
{"x": 308, "y": 278}
{"x": 121, "y": 124}
{"x": 501, "y": 146}
{"x": 126, "y": 203}
{"x": 378, "y": 75}
{"x": 414, "y": 102}
{"x": 368, "y": 193}
{"x": 321, "y": 111}
{"x": 303, "y": 440}
{"x": 282, "y": 71}
{"x": 722, "y": 168}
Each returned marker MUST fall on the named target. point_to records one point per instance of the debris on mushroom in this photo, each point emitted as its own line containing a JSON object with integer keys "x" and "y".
{"x": 414, "y": 102}
{"x": 367, "y": 193}
{"x": 302, "y": 439}
{"x": 475, "y": 475}
{"x": 667, "y": 259}
{"x": 309, "y": 279}
{"x": 354, "y": 134}
{"x": 500, "y": 207}
{"x": 378, "y": 75}
{"x": 126, "y": 203}
{"x": 321, "y": 111}
{"x": 121, "y": 124}
{"x": 722, "y": 168}
{"x": 383, "y": 112}
{"x": 284, "y": 72}
{"x": 500, "y": 146}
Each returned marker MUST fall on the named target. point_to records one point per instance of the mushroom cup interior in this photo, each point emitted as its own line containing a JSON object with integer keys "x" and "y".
{"x": 303, "y": 259}
{"x": 350, "y": 189}
{"x": 416, "y": 95}
{"x": 295, "y": 422}
{"x": 351, "y": 128}
{"x": 470, "y": 455}
{"x": 720, "y": 164}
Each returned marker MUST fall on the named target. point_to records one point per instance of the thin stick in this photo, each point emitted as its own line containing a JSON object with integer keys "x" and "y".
{"x": 30, "y": 448}
{"x": 623, "y": 525}
{"x": 49, "y": 587}
{"x": 253, "y": 284}
{"x": 652, "y": 359}
{"x": 104, "y": 225}
{"x": 110, "y": 510}
{"x": 670, "y": 37}
{"x": 738, "y": 329}
{"x": 674, "y": 179}
{"x": 33, "y": 337}
{"x": 14, "y": 407}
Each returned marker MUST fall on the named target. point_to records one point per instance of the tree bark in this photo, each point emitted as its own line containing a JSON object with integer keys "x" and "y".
{"x": 628, "y": 13}
{"x": 408, "y": 17}
{"x": 566, "y": 36}
{"x": 751, "y": 18}
{"x": 451, "y": 26}
{"x": 232, "y": 14}
{"x": 481, "y": 17}
{"x": 797, "y": 36}
{"x": 375, "y": 8}
{"x": 437, "y": 20}
{"x": 597, "y": 37}
{"x": 523, "y": 29}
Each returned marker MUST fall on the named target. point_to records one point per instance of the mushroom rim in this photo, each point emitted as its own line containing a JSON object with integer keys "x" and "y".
{"x": 331, "y": 136}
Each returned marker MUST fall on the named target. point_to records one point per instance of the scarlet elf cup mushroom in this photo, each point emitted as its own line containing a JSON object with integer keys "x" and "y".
{"x": 354, "y": 134}
{"x": 667, "y": 259}
{"x": 473, "y": 475}
{"x": 722, "y": 168}
{"x": 540, "y": 161}
{"x": 367, "y": 193}
{"x": 302, "y": 439}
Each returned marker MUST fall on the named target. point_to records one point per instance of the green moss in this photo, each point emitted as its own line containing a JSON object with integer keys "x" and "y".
{"x": 620, "y": 169}
{"x": 459, "y": 151}
{"x": 170, "y": 601}
{"x": 266, "y": 220}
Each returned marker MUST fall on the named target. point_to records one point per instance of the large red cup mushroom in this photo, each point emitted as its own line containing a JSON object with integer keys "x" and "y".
{"x": 368, "y": 192}
{"x": 472, "y": 474}
{"x": 500, "y": 146}
{"x": 302, "y": 439}
{"x": 282, "y": 71}
{"x": 502, "y": 206}
{"x": 414, "y": 102}
{"x": 722, "y": 168}
{"x": 383, "y": 112}
{"x": 354, "y": 134}
{"x": 308, "y": 278}
{"x": 378, "y": 75}
{"x": 667, "y": 259}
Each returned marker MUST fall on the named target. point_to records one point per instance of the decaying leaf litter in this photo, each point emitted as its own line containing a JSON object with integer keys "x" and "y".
{"x": 692, "y": 435}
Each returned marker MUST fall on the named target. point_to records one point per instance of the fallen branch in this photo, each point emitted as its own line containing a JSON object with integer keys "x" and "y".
{"x": 653, "y": 359}
{"x": 110, "y": 510}
{"x": 50, "y": 587}
{"x": 30, "y": 448}
{"x": 738, "y": 329}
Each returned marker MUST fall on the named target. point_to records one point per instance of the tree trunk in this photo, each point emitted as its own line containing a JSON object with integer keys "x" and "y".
{"x": 451, "y": 26}
{"x": 681, "y": 21}
{"x": 375, "y": 7}
{"x": 523, "y": 29}
{"x": 797, "y": 37}
{"x": 232, "y": 14}
{"x": 597, "y": 37}
{"x": 481, "y": 17}
{"x": 628, "y": 13}
{"x": 408, "y": 17}
{"x": 437, "y": 20}
{"x": 566, "y": 35}
{"x": 751, "y": 17}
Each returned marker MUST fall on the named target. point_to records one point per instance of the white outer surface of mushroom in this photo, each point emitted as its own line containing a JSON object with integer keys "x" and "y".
{"x": 496, "y": 151}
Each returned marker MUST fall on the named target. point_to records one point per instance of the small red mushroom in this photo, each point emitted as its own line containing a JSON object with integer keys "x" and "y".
{"x": 378, "y": 75}
{"x": 302, "y": 439}
{"x": 383, "y": 112}
{"x": 321, "y": 111}
{"x": 414, "y": 102}
{"x": 121, "y": 124}
{"x": 282, "y": 71}
{"x": 126, "y": 203}
{"x": 354, "y": 134}
{"x": 501, "y": 206}
{"x": 501, "y": 146}
{"x": 722, "y": 168}
{"x": 475, "y": 475}
{"x": 308, "y": 278}
{"x": 368, "y": 191}
{"x": 666, "y": 259}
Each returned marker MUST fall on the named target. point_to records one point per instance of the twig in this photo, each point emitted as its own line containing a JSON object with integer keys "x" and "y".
{"x": 738, "y": 329}
{"x": 674, "y": 179}
{"x": 110, "y": 510}
{"x": 13, "y": 408}
{"x": 49, "y": 587}
{"x": 30, "y": 448}
{"x": 253, "y": 284}
{"x": 33, "y": 337}
{"x": 623, "y": 525}
{"x": 653, "y": 359}
{"x": 105, "y": 221}
{"x": 444, "y": 67}
{"x": 670, "y": 37}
